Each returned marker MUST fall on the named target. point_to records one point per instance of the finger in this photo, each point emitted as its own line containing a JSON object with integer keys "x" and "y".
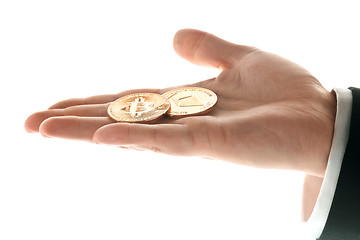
{"x": 205, "y": 84}
{"x": 206, "y": 49}
{"x": 98, "y": 99}
{"x": 33, "y": 122}
{"x": 74, "y": 128}
{"x": 92, "y": 110}
{"x": 172, "y": 139}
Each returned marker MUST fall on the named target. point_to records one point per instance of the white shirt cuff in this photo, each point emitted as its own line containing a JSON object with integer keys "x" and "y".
{"x": 317, "y": 220}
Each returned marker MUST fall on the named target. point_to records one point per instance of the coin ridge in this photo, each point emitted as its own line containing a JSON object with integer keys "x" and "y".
{"x": 178, "y": 114}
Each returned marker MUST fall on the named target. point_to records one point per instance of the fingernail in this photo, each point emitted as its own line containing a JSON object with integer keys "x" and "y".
{"x": 44, "y": 135}
{"x": 98, "y": 139}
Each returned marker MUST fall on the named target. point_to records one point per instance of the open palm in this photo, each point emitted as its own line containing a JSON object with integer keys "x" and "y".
{"x": 270, "y": 113}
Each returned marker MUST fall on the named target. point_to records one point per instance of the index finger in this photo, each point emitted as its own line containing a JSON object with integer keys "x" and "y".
{"x": 98, "y": 99}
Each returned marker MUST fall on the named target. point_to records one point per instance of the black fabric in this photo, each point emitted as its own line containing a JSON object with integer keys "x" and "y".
{"x": 343, "y": 222}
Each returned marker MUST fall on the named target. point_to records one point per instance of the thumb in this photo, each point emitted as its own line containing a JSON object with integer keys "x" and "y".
{"x": 203, "y": 48}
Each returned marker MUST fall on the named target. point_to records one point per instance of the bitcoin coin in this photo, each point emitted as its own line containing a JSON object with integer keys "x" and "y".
{"x": 190, "y": 101}
{"x": 139, "y": 107}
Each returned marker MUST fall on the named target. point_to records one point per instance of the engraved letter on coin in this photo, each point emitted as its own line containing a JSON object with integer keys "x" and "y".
{"x": 187, "y": 101}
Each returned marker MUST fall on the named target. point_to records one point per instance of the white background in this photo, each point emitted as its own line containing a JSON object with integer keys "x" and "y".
{"x": 59, "y": 189}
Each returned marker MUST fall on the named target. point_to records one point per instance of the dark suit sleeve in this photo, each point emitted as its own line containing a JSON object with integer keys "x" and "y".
{"x": 343, "y": 222}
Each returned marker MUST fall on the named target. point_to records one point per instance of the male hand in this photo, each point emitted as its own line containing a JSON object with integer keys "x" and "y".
{"x": 271, "y": 113}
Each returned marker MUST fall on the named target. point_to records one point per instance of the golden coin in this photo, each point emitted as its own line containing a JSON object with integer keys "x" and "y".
{"x": 190, "y": 101}
{"x": 139, "y": 107}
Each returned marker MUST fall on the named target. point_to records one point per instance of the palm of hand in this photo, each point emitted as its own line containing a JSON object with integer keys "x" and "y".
{"x": 270, "y": 112}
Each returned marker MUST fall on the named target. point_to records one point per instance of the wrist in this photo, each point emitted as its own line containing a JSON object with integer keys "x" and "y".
{"x": 326, "y": 114}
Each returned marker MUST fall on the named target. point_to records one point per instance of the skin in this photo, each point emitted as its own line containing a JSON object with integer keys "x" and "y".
{"x": 271, "y": 112}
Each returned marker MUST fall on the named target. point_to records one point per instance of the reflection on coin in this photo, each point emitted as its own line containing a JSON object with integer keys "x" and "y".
{"x": 190, "y": 101}
{"x": 139, "y": 107}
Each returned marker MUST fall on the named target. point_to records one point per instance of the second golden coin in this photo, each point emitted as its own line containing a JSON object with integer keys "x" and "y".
{"x": 189, "y": 101}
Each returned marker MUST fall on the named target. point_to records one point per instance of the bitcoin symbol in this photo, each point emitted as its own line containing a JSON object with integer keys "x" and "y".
{"x": 138, "y": 106}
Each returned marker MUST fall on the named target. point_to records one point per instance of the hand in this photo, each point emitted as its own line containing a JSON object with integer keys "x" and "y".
{"x": 270, "y": 113}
